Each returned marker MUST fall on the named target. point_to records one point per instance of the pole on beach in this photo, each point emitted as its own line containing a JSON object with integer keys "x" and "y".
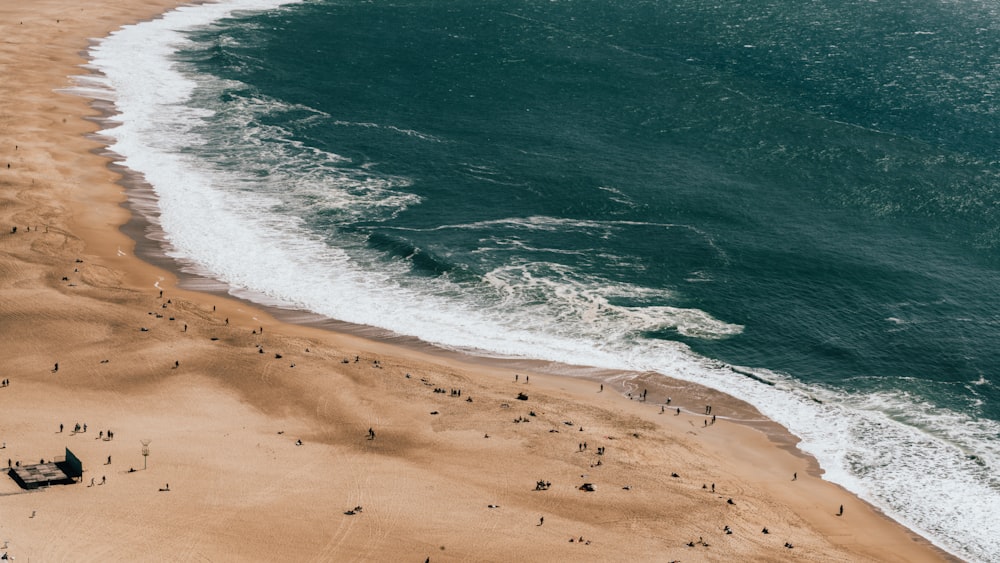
{"x": 145, "y": 451}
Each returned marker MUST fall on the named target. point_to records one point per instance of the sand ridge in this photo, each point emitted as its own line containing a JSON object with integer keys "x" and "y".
{"x": 224, "y": 392}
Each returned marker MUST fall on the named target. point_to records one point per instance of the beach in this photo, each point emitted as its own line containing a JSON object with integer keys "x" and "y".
{"x": 276, "y": 441}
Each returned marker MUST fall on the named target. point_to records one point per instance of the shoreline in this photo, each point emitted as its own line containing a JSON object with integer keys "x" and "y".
{"x": 149, "y": 239}
{"x": 119, "y": 292}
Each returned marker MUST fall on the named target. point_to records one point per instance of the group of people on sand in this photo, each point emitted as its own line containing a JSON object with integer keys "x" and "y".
{"x": 726, "y": 529}
{"x": 77, "y": 428}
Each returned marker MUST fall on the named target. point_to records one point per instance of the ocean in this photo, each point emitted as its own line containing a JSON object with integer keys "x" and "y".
{"x": 792, "y": 202}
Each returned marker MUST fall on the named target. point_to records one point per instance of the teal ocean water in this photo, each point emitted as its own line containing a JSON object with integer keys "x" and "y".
{"x": 805, "y": 192}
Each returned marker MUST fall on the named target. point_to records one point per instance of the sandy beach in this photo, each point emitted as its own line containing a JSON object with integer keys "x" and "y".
{"x": 283, "y": 442}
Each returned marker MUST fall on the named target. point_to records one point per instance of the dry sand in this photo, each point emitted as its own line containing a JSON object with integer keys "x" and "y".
{"x": 224, "y": 421}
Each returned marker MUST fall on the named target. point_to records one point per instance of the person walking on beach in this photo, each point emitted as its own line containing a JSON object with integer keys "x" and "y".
{"x": 371, "y": 434}
{"x": 841, "y": 513}
{"x": 541, "y": 520}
